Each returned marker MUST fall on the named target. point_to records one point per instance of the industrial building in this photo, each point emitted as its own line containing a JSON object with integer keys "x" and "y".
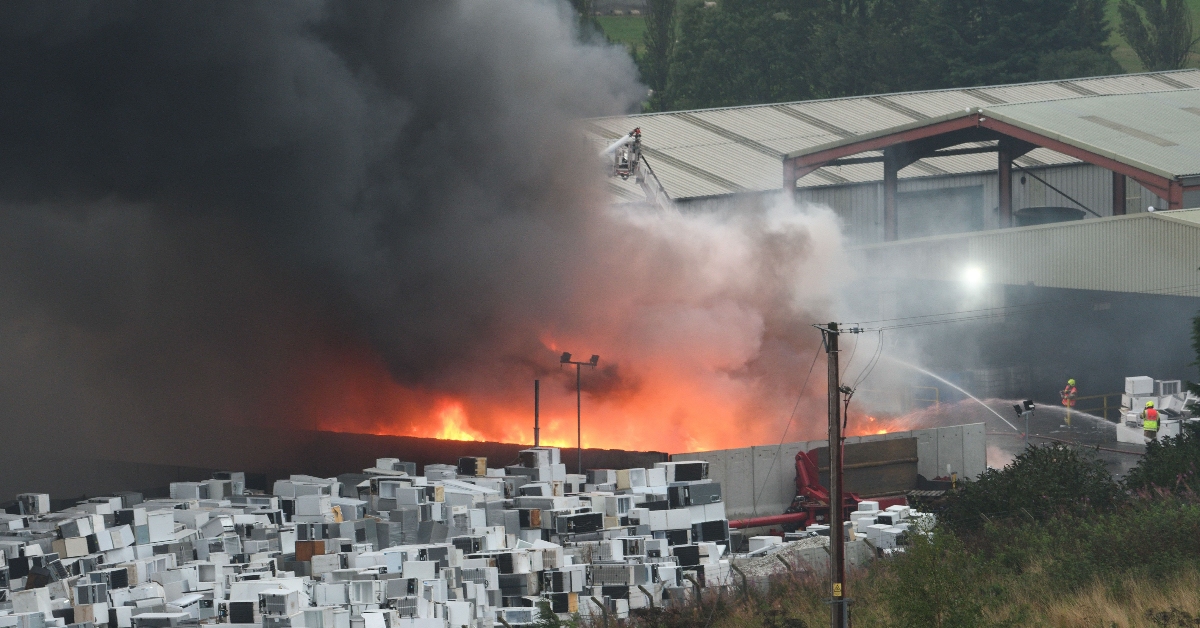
{"x": 943, "y": 196}
{"x": 739, "y": 151}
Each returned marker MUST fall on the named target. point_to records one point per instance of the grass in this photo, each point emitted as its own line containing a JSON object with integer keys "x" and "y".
{"x": 1125, "y": 55}
{"x": 1116, "y": 570}
{"x": 799, "y": 602}
{"x": 625, "y": 29}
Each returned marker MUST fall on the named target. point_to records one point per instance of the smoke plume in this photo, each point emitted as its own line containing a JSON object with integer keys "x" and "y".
{"x": 368, "y": 216}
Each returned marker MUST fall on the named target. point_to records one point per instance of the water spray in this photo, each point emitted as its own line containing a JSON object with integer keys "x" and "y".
{"x": 956, "y": 387}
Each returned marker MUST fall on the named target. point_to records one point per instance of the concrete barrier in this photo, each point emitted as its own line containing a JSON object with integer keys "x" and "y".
{"x": 761, "y": 480}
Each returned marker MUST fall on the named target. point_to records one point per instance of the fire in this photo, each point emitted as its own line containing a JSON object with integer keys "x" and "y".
{"x": 666, "y": 405}
{"x": 866, "y": 424}
{"x": 454, "y": 424}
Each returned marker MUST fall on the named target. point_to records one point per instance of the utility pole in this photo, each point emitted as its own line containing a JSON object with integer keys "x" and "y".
{"x": 566, "y": 359}
{"x": 839, "y": 612}
{"x": 537, "y": 441}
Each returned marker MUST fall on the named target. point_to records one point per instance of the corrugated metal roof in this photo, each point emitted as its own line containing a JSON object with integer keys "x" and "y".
{"x": 721, "y": 151}
{"x": 1158, "y": 132}
{"x": 1149, "y": 253}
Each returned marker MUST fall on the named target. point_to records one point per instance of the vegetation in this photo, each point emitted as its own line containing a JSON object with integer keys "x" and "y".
{"x": 1169, "y": 465}
{"x": 624, "y": 29}
{"x": 754, "y": 51}
{"x": 1041, "y": 483}
{"x": 1159, "y": 31}
{"x": 1122, "y": 556}
{"x": 659, "y": 38}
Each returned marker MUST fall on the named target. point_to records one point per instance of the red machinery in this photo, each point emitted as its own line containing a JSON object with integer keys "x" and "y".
{"x": 811, "y": 504}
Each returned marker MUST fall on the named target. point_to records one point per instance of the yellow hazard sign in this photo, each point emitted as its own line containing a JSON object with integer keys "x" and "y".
{"x": 837, "y": 589}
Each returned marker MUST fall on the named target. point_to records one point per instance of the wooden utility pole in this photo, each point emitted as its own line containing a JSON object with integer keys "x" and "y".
{"x": 839, "y": 617}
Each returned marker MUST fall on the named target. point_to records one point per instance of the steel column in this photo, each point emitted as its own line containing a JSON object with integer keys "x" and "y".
{"x": 789, "y": 178}
{"x": 1175, "y": 198}
{"x": 891, "y": 172}
{"x": 1118, "y": 194}
{"x": 1004, "y": 180}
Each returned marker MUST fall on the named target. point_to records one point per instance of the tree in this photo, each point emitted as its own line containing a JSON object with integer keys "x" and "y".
{"x": 741, "y": 52}
{"x": 761, "y": 51}
{"x": 588, "y": 26}
{"x": 1159, "y": 31}
{"x": 874, "y": 46}
{"x": 989, "y": 42}
{"x": 655, "y": 62}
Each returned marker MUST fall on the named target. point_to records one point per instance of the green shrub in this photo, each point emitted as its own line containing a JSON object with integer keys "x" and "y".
{"x": 1172, "y": 464}
{"x": 1041, "y": 482}
{"x": 931, "y": 584}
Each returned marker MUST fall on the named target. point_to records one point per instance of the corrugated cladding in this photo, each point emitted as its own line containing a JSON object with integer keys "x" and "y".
{"x": 723, "y": 151}
{"x": 1153, "y": 253}
{"x": 860, "y": 206}
{"x": 1157, "y": 132}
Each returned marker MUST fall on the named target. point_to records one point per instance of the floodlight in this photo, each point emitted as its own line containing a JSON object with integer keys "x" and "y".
{"x": 565, "y": 359}
{"x": 973, "y": 276}
{"x": 595, "y": 360}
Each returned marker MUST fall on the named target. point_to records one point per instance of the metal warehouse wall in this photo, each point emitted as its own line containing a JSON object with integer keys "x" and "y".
{"x": 861, "y": 206}
{"x": 760, "y": 480}
{"x": 1148, "y": 253}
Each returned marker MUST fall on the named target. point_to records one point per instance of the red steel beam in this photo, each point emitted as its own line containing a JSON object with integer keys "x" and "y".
{"x": 879, "y": 143}
{"x": 1170, "y": 190}
{"x": 1158, "y": 184}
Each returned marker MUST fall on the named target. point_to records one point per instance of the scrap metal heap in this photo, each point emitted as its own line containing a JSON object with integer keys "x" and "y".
{"x": 458, "y": 546}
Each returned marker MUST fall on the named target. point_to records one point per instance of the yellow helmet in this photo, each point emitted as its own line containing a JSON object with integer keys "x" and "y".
{"x": 1070, "y": 382}
{"x": 1149, "y": 404}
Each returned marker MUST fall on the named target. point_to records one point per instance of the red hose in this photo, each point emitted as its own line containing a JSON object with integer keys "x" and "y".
{"x": 772, "y": 520}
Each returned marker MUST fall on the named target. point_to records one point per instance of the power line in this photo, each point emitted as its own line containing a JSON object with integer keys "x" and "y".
{"x": 1000, "y": 310}
{"x": 792, "y": 417}
{"x": 988, "y": 309}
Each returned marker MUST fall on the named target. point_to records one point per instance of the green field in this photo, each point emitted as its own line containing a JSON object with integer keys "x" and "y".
{"x": 628, "y": 29}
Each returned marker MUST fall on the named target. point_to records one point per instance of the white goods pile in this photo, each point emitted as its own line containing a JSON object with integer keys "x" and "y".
{"x": 457, "y": 546}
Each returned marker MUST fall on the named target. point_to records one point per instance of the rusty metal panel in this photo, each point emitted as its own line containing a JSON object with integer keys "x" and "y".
{"x": 875, "y": 467}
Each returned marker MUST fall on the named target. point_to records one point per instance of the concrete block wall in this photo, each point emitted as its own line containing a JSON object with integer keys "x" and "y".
{"x": 761, "y": 480}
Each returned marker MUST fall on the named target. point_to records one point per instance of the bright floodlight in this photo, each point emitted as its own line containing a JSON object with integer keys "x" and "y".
{"x": 973, "y": 276}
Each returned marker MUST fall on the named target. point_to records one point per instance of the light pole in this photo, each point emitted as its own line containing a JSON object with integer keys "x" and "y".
{"x": 566, "y": 359}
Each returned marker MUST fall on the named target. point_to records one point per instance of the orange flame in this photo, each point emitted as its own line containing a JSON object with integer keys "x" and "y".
{"x": 454, "y": 424}
{"x": 669, "y": 406}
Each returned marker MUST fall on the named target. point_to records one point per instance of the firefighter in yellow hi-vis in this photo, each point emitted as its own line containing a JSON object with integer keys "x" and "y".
{"x": 1150, "y": 422}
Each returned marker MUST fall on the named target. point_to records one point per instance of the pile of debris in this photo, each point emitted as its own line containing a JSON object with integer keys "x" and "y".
{"x": 461, "y": 545}
{"x": 1175, "y": 406}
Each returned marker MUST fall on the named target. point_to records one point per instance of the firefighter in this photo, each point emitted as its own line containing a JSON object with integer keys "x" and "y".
{"x": 1150, "y": 422}
{"x": 1068, "y": 394}
{"x": 1068, "y": 398}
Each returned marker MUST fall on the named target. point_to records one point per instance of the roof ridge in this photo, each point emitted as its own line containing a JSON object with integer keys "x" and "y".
{"x": 924, "y": 91}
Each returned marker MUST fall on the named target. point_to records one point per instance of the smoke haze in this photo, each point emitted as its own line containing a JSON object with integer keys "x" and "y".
{"x": 374, "y": 217}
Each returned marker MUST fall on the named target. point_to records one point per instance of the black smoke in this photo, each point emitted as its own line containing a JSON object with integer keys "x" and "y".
{"x": 245, "y": 211}
{"x": 197, "y": 196}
